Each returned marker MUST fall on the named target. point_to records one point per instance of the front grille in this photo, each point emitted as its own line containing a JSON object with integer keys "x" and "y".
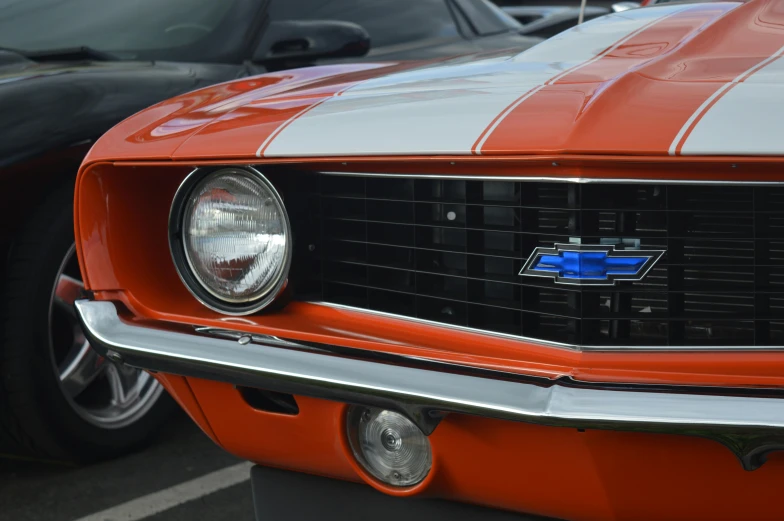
{"x": 450, "y": 251}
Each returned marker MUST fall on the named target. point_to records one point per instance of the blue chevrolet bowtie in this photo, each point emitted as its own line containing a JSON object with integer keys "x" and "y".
{"x": 583, "y": 265}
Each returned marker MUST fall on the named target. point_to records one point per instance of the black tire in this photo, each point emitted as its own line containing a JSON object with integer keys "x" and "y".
{"x": 37, "y": 420}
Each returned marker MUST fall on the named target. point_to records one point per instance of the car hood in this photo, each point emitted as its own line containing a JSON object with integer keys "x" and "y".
{"x": 16, "y": 68}
{"x": 691, "y": 79}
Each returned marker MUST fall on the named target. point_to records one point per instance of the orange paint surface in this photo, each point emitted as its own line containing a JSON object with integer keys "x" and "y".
{"x": 178, "y": 388}
{"x": 557, "y": 472}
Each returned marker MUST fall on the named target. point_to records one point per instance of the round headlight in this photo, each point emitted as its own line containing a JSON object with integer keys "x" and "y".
{"x": 230, "y": 239}
{"x": 389, "y": 446}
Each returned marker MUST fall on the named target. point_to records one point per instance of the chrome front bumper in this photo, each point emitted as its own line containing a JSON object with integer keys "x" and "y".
{"x": 749, "y": 421}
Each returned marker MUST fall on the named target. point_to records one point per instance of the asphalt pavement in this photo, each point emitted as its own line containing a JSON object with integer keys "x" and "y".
{"x": 182, "y": 457}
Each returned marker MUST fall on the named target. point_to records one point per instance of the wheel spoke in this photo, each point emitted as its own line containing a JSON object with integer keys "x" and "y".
{"x": 67, "y": 291}
{"x": 105, "y": 394}
{"x": 123, "y": 385}
{"x": 81, "y": 367}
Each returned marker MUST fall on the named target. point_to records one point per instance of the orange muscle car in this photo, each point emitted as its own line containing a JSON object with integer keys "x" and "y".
{"x": 549, "y": 283}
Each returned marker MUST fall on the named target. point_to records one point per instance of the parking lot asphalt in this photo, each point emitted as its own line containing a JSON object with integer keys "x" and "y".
{"x": 31, "y": 491}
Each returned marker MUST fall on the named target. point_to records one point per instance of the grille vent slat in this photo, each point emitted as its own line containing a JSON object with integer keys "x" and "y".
{"x": 450, "y": 251}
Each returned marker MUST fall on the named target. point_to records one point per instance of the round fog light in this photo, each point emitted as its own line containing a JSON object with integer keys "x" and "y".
{"x": 389, "y": 446}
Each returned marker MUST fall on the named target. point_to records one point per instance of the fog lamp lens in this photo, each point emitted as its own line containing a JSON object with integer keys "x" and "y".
{"x": 389, "y": 446}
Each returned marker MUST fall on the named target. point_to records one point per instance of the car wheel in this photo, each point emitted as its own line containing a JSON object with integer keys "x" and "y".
{"x": 59, "y": 399}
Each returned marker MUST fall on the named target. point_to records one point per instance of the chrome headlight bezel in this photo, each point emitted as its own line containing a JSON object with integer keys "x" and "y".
{"x": 183, "y": 264}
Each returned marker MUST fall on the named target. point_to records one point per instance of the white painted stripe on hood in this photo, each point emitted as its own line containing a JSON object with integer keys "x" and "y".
{"x": 444, "y": 109}
{"x": 747, "y": 119}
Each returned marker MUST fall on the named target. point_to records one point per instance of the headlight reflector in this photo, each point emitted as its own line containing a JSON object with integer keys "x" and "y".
{"x": 235, "y": 237}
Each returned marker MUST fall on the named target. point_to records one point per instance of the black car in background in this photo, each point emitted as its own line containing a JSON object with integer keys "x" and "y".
{"x": 70, "y": 70}
{"x": 546, "y": 18}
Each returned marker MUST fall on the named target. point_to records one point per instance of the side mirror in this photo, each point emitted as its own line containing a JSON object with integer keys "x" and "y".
{"x": 299, "y": 42}
{"x": 625, "y": 6}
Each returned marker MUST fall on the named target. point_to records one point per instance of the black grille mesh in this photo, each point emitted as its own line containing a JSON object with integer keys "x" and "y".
{"x": 450, "y": 251}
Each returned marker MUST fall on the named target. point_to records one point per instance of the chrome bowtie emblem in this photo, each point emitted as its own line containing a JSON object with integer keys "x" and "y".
{"x": 590, "y": 264}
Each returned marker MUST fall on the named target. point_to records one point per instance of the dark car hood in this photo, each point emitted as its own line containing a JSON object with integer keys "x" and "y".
{"x": 51, "y": 105}
{"x": 15, "y": 67}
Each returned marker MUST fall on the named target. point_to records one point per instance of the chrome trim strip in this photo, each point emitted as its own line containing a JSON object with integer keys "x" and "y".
{"x": 552, "y": 179}
{"x": 548, "y": 343}
{"x": 750, "y": 422}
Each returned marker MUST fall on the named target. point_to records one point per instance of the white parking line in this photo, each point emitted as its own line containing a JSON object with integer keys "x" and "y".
{"x": 156, "y": 502}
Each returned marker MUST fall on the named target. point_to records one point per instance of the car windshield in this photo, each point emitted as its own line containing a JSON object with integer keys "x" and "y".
{"x": 124, "y": 28}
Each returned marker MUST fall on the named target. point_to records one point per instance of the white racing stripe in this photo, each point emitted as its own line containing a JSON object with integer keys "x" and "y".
{"x": 700, "y": 111}
{"x": 277, "y": 131}
{"x": 162, "y": 500}
{"x": 444, "y": 109}
{"x": 747, "y": 119}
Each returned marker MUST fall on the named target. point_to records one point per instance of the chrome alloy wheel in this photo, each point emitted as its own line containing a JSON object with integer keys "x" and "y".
{"x": 105, "y": 394}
